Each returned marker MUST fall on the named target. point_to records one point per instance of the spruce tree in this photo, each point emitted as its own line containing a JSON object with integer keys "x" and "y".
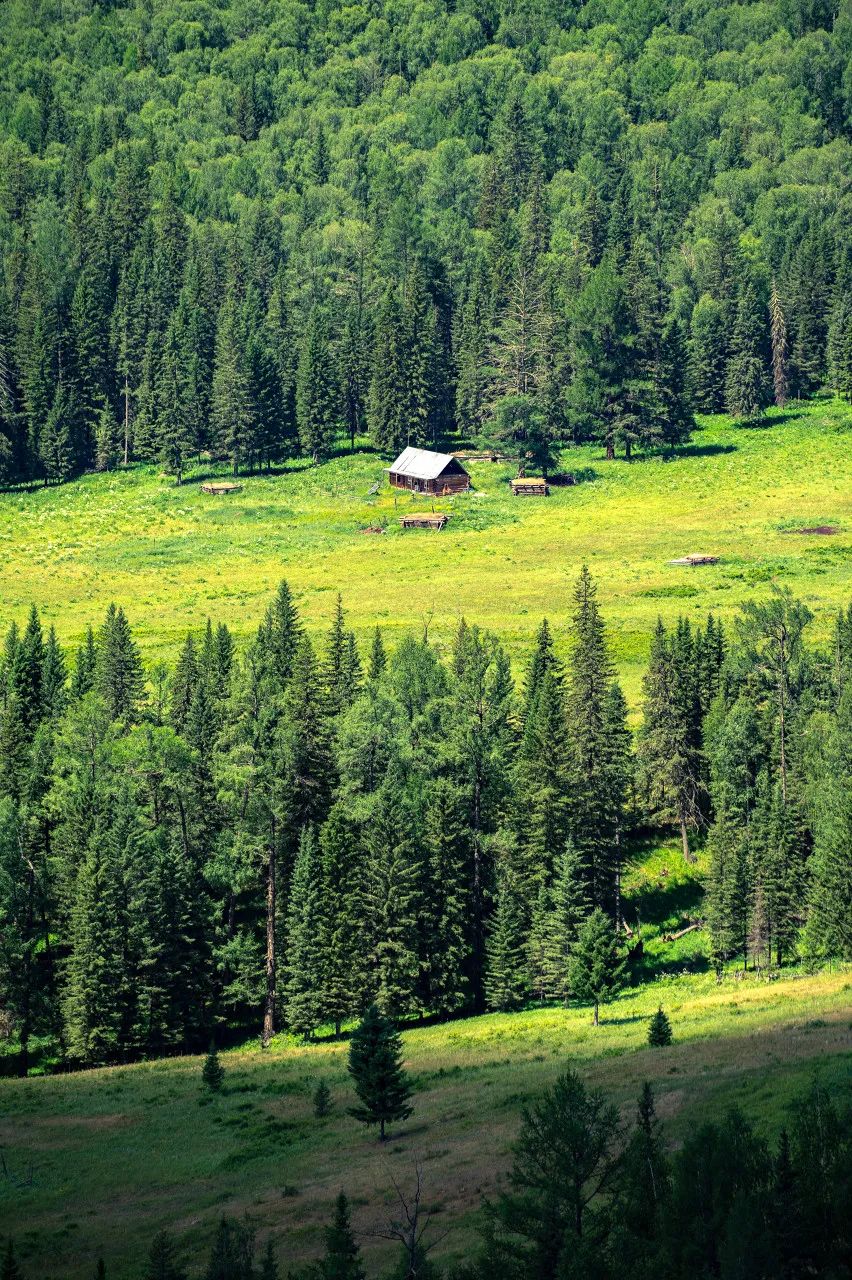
{"x": 342, "y": 1257}
{"x": 162, "y": 1262}
{"x": 659, "y": 1029}
{"x": 378, "y": 657}
{"x": 393, "y": 902}
{"x": 746, "y": 384}
{"x": 118, "y": 676}
{"x": 708, "y": 352}
{"x": 342, "y": 954}
{"x": 317, "y": 390}
{"x": 505, "y": 971}
{"x": 85, "y": 667}
{"x": 375, "y": 1065}
{"x": 780, "y": 347}
{"x": 213, "y": 1073}
{"x": 596, "y": 969}
{"x": 447, "y": 945}
{"x": 232, "y": 413}
{"x": 303, "y": 1006}
{"x": 322, "y": 1100}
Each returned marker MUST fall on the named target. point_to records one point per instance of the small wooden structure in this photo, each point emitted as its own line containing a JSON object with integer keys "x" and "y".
{"x": 427, "y": 520}
{"x": 421, "y": 471}
{"x": 221, "y": 486}
{"x": 694, "y": 559}
{"x": 464, "y": 455}
{"x": 530, "y": 487}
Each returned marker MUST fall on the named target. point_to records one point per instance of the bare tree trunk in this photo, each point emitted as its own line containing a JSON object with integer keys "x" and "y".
{"x": 596, "y": 1013}
{"x": 688, "y": 855}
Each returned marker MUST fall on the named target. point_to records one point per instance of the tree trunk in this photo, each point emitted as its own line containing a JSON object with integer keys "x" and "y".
{"x": 269, "y": 1004}
{"x": 688, "y": 855}
{"x": 596, "y": 1013}
{"x": 382, "y": 1130}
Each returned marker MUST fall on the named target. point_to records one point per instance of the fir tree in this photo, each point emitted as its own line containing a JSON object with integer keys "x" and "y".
{"x": 596, "y": 969}
{"x": 317, "y": 391}
{"x": 393, "y": 902}
{"x": 342, "y": 1258}
{"x": 343, "y": 961}
{"x": 303, "y": 986}
{"x": 162, "y": 1263}
{"x": 504, "y": 981}
{"x": 659, "y": 1029}
{"x": 780, "y": 349}
{"x": 85, "y": 667}
{"x": 322, "y": 1100}
{"x": 708, "y": 353}
{"x": 231, "y": 407}
{"x": 232, "y": 1254}
{"x": 746, "y": 391}
{"x": 378, "y": 657}
{"x": 118, "y": 676}
{"x": 375, "y": 1065}
{"x": 213, "y": 1073}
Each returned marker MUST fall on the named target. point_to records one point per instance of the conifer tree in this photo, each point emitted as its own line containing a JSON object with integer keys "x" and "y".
{"x": 504, "y": 980}
{"x": 322, "y": 1100}
{"x": 54, "y": 676}
{"x": 303, "y": 1007}
{"x": 108, "y": 439}
{"x": 279, "y": 635}
{"x": 659, "y": 1029}
{"x": 232, "y": 1253}
{"x": 598, "y": 747}
{"x": 596, "y": 970}
{"x": 375, "y": 1065}
{"x": 162, "y": 1262}
{"x": 447, "y": 944}
{"x": 378, "y": 657}
{"x": 317, "y": 390}
{"x": 231, "y": 407}
{"x": 839, "y": 341}
{"x": 343, "y": 961}
{"x": 213, "y": 1073}
{"x": 780, "y": 349}
{"x": 85, "y": 666}
{"x": 118, "y": 675}
{"x": 708, "y": 354}
{"x": 545, "y": 960}
{"x": 10, "y": 1269}
{"x": 342, "y": 1258}
{"x": 746, "y": 389}
{"x": 393, "y": 902}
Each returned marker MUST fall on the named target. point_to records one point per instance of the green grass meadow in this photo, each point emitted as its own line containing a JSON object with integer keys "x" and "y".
{"x": 174, "y": 556}
{"x": 95, "y": 1162}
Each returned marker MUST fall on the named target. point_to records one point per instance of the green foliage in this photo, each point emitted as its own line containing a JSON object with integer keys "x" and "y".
{"x": 375, "y": 1065}
{"x": 213, "y": 1073}
{"x": 596, "y": 969}
{"x": 322, "y": 1100}
{"x": 659, "y": 1029}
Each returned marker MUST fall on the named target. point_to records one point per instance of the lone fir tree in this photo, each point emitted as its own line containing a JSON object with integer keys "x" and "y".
{"x": 213, "y": 1073}
{"x": 375, "y": 1065}
{"x": 342, "y": 1258}
{"x": 659, "y": 1029}
{"x": 322, "y": 1100}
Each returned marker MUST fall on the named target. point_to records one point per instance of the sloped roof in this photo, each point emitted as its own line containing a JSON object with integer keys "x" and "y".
{"x": 422, "y": 464}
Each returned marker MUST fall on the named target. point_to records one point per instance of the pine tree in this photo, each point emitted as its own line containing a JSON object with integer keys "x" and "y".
{"x": 303, "y": 1007}
{"x": 505, "y": 979}
{"x": 317, "y": 390}
{"x": 746, "y": 390}
{"x": 708, "y": 354}
{"x": 659, "y": 1029}
{"x": 118, "y": 676}
{"x": 231, "y": 410}
{"x": 342, "y": 1258}
{"x": 213, "y": 1073}
{"x": 596, "y": 970}
{"x": 162, "y": 1261}
{"x": 598, "y": 747}
{"x": 343, "y": 961}
{"x": 322, "y": 1100}
{"x": 375, "y": 1065}
{"x": 780, "y": 349}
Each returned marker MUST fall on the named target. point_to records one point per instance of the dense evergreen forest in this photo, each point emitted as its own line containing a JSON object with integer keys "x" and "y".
{"x": 254, "y": 228}
{"x": 282, "y": 837}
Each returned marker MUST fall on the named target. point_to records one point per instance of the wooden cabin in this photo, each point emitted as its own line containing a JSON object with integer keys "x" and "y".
{"x": 426, "y": 520}
{"x": 421, "y": 471}
{"x": 530, "y": 487}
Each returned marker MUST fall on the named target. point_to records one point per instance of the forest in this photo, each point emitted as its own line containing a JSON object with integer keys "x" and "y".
{"x": 253, "y": 230}
{"x": 286, "y": 836}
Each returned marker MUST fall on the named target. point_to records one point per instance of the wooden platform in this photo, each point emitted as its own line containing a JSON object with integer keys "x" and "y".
{"x": 221, "y": 486}
{"x": 694, "y": 559}
{"x": 433, "y": 520}
{"x": 530, "y": 487}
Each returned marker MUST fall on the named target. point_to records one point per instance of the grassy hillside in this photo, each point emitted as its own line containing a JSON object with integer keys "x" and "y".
{"x": 174, "y": 556}
{"x": 96, "y": 1161}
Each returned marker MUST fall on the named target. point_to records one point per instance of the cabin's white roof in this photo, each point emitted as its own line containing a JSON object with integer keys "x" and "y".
{"x": 422, "y": 464}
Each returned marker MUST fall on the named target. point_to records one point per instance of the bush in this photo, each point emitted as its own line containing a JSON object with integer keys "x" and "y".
{"x": 659, "y": 1029}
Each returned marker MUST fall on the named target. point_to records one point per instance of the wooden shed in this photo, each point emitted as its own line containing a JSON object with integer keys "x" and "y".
{"x": 530, "y": 487}
{"x": 421, "y": 471}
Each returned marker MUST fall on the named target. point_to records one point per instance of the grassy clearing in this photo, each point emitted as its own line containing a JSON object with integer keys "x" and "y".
{"x": 98, "y": 1160}
{"x": 174, "y": 556}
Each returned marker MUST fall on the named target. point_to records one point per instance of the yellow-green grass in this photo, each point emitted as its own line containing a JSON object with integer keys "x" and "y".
{"x": 96, "y": 1161}
{"x": 173, "y": 556}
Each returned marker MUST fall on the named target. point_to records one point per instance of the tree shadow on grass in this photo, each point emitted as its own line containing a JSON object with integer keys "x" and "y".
{"x": 700, "y": 450}
{"x": 656, "y": 903}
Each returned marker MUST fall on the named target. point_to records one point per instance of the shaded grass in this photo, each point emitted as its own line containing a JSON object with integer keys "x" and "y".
{"x": 113, "y": 1154}
{"x": 173, "y": 556}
